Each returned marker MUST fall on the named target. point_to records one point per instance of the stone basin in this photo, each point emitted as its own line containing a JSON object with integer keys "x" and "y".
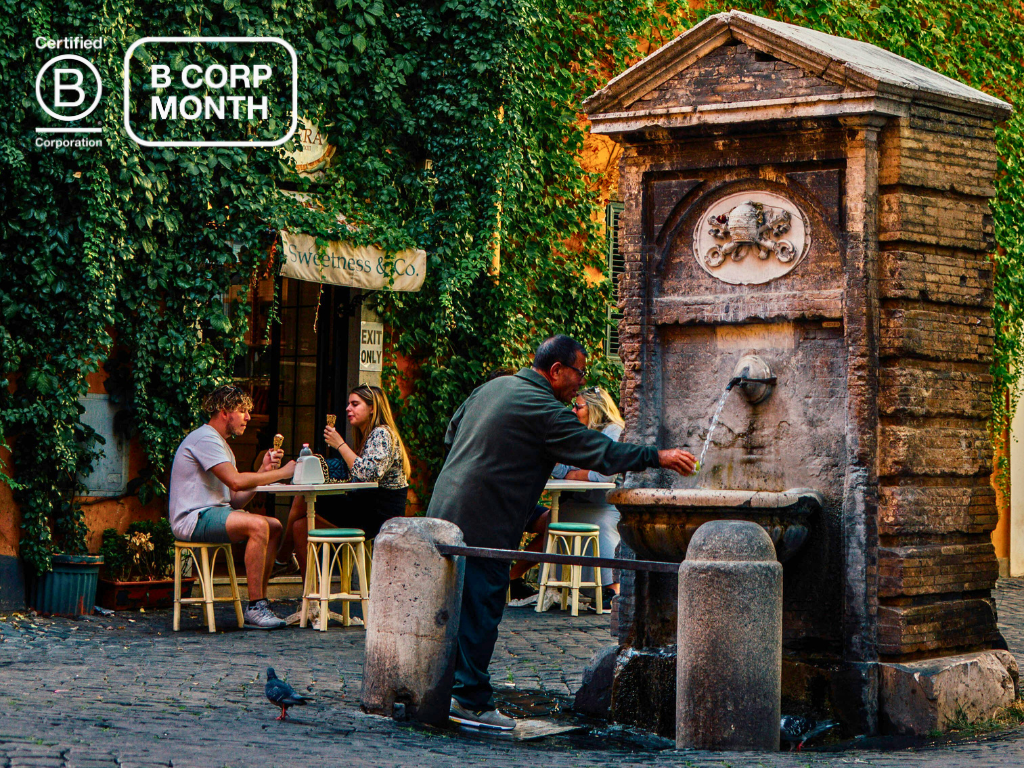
{"x": 657, "y": 523}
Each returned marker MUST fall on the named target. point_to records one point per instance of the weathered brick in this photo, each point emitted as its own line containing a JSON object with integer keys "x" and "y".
{"x": 935, "y": 335}
{"x": 964, "y": 279}
{"x": 945, "y": 625}
{"x": 936, "y": 510}
{"x": 934, "y": 392}
{"x": 953, "y": 222}
{"x": 940, "y": 154}
{"x": 936, "y": 569}
{"x": 734, "y": 73}
{"x": 934, "y": 451}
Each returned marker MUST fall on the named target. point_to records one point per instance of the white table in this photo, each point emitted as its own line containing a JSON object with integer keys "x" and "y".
{"x": 309, "y": 492}
{"x": 555, "y": 488}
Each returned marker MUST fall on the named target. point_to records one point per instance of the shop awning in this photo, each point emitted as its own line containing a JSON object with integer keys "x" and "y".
{"x": 359, "y": 266}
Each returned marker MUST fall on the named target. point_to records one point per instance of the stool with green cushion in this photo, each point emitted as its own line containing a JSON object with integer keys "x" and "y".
{"x": 574, "y": 539}
{"x": 336, "y": 533}
{"x": 573, "y": 528}
{"x": 327, "y": 547}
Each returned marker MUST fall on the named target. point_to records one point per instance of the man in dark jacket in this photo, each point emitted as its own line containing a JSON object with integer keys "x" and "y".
{"x": 505, "y": 440}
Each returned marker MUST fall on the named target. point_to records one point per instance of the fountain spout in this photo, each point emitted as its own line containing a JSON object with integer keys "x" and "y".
{"x": 754, "y": 378}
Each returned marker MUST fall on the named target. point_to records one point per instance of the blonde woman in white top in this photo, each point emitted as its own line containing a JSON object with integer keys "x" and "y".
{"x": 595, "y": 408}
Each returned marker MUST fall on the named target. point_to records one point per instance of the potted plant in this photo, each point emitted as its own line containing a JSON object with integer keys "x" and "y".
{"x": 139, "y": 567}
{"x": 62, "y": 575}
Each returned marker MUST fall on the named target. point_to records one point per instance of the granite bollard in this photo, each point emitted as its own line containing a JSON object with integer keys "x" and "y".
{"x": 415, "y": 599}
{"x": 729, "y": 664}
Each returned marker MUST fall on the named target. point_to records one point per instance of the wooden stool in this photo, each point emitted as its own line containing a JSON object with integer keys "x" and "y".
{"x": 574, "y": 538}
{"x": 204, "y": 565}
{"x": 326, "y": 548}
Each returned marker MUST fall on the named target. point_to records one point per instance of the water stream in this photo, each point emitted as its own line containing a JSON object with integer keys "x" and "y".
{"x": 711, "y": 431}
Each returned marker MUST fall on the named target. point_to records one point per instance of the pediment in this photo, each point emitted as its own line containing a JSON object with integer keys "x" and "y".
{"x": 738, "y": 58}
{"x": 734, "y": 73}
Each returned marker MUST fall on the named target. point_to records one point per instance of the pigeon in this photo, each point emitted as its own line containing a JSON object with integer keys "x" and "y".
{"x": 282, "y": 694}
{"x": 796, "y": 730}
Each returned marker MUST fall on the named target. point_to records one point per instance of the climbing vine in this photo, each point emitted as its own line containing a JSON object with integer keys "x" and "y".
{"x": 457, "y": 130}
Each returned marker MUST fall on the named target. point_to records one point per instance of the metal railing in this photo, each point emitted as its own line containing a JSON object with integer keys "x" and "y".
{"x": 548, "y": 557}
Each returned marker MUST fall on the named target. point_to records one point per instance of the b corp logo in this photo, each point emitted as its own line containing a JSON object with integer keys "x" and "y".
{"x": 61, "y": 86}
{"x": 65, "y": 84}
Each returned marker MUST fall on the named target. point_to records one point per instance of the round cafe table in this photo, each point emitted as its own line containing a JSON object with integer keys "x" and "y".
{"x": 555, "y": 488}
{"x": 309, "y": 492}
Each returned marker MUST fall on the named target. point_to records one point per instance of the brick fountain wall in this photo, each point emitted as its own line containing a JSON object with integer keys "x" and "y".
{"x": 879, "y": 329}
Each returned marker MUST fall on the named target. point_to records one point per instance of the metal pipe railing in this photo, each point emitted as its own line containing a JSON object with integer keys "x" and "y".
{"x": 547, "y": 557}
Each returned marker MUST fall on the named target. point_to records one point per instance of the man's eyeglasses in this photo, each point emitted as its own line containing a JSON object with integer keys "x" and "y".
{"x": 583, "y": 373}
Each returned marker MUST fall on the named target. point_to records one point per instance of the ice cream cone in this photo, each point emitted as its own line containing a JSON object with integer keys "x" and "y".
{"x": 278, "y": 442}
{"x": 331, "y": 419}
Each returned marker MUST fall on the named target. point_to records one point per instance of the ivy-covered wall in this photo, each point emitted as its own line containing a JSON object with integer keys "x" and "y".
{"x": 126, "y": 252}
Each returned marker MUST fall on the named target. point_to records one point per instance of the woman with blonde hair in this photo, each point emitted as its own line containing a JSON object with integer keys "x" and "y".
{"x": 377, "y": 454}
{"x": 595, "y": 409}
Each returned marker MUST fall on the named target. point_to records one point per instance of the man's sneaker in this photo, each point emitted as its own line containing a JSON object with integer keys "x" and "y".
{"x": 259, "y": 615}
{"x": 491, "y": 719}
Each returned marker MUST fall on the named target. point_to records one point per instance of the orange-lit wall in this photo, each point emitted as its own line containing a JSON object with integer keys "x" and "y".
{"x": 10, "y": 517}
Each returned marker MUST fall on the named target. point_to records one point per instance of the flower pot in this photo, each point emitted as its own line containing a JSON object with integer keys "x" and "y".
{"x": 70, "y": 588}
{"x": 132, "y": 595}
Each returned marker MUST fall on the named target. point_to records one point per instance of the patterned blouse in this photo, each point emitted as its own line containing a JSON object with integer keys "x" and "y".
{"x": 381, "y": 460}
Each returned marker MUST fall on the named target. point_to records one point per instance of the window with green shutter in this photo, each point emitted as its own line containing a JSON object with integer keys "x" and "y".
{"x": 616, "y": 266}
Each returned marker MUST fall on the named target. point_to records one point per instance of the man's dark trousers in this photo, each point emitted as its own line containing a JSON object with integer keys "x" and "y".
{"x": 483, "y": 602}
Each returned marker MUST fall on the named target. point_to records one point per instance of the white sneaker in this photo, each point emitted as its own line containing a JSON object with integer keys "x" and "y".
{"x": 260, "y": 616}
{"x": 490, "y": 719}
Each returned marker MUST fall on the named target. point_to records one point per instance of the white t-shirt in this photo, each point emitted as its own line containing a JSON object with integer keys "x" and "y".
{"x": 193, "y": 486}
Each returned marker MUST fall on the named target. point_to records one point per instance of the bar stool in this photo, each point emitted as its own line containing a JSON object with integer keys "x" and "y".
{"x": 326, "y": 548}
{"x": 574, "y": 538}
{"x": 204, "y": 565}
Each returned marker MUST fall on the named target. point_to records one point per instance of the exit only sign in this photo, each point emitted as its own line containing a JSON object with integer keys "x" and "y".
{"x": 371, "y": 346}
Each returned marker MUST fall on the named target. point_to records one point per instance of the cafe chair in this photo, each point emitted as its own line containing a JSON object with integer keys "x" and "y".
{"x": 333, "y": 550}
{"x": 205, "y": 563}
{"x": 572, "y": 539}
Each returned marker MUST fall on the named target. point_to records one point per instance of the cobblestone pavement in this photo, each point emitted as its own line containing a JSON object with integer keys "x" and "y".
{"x": 126, "y": 691}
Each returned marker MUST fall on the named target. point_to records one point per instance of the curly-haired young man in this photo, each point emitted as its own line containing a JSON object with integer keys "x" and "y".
{"x": 208, "y": 493}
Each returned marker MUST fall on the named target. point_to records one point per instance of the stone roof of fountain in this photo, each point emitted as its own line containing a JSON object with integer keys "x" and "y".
{"x": 859, "y": 67}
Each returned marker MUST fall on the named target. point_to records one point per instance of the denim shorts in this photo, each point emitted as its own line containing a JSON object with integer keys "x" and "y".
{"x": 212, "y": 526}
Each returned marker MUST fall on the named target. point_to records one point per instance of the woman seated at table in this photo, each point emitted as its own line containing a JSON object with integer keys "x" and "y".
{"x": 595, "y": 408}
{"x": 378, "y": 454}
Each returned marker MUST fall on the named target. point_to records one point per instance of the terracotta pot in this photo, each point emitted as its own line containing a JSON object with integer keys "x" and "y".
{"x": 131, "y": 595}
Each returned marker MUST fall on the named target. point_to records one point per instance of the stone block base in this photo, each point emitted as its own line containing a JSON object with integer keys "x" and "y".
{"x": 594, "y": 697}
{"x": 924, "y": 696}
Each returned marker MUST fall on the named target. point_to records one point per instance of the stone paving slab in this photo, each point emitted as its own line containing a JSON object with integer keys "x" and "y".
{"x": 126, "y": 691}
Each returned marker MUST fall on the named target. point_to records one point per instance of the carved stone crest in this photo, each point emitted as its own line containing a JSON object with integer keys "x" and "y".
{"x": 750, "y": 237}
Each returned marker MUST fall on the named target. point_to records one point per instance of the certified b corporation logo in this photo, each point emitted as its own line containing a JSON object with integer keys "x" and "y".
{"x": 68, "y": 89}
{"x": 178, "y": 92}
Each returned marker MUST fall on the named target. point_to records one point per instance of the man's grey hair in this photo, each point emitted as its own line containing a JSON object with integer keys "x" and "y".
{"x": 557, "y": 349}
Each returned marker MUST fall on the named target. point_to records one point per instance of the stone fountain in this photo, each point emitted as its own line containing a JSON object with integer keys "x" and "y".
{"x": 809, "y": 214}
